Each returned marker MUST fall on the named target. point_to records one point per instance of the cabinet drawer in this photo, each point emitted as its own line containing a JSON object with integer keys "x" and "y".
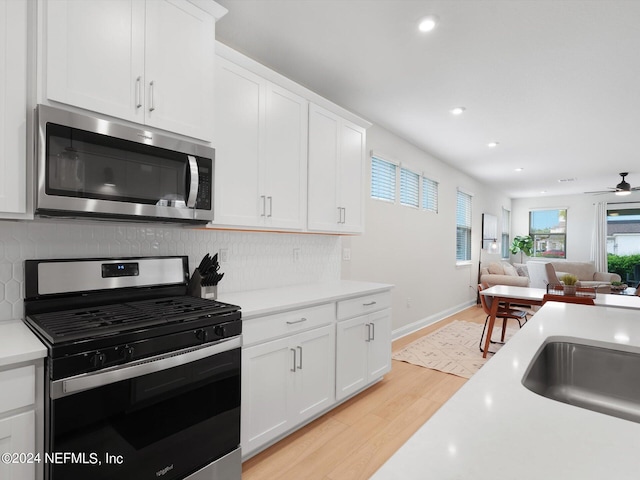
{"x": 363, "y": 305}
{"x": 272, "y": 326}
{"x": 18, "y": 388}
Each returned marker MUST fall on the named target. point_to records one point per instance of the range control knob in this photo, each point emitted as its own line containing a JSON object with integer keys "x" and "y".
{"x": 220, "y": 331}
{"x": 127, "y": 352}
{"x": 98, "y": 360}
{"x": 202, "y": 335}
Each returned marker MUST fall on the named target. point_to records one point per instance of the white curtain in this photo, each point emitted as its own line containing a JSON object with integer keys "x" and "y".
{"x": 599, "y": 239}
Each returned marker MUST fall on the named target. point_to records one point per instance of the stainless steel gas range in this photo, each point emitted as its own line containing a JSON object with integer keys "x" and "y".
{"x": 142, "y": 380}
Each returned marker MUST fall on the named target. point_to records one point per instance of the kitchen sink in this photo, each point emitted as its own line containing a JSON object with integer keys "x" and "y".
{"x": 597, "y": 378}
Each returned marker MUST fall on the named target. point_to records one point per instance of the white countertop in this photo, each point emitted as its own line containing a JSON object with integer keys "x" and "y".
{"x": 495, "y": 428}
{"x": 19, "y": 344}
{"x": 264, "y": 302}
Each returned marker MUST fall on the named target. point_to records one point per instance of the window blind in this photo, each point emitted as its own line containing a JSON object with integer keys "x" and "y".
{"x": 429, "y": 194}
{"x": 409, "y": 187}
{"x": 463, "y": 227}
{"x": 383, "y": 180}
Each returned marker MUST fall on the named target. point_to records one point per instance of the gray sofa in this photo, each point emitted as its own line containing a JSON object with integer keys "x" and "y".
{"x": 585, "y": 271}
{"x": 503, "y": 273}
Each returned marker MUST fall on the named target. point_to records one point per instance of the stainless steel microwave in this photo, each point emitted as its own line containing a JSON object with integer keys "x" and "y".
{"x": 89, "y": 166}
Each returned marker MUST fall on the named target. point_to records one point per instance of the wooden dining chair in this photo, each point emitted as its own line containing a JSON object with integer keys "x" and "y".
{"x": 567, "y": 299}
{"x": 504, "y": 313}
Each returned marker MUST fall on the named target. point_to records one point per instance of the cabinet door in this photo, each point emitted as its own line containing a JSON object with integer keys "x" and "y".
{"x": 323, "y": 214}
{"x": 379, "y": 361}
{"x": 285, "y": 159}
{"x": 351, "y": 356}
{"x": 13, "y": 106}
{"x": 179, "y": 68}
{"x": 17, "y": 435}
{"x": 351, "y": 176}
{"x": 314, "y": 389}
{"x": 267, "y": 371}
{"x": 239, "y": 114}
{"x": 95, "y": 55}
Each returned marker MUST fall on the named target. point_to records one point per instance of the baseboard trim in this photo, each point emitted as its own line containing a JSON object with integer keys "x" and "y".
{"x": 425, "y": 322}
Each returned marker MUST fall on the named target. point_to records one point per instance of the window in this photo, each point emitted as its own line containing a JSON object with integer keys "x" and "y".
{"x": 463, "y": 227}
{"x": 409, "y": 188}
{"x": 548, "y": 228}
{"x": 415, "y": 190}
{"x": 506, "y": 223}
{"x": 429, "y": 194}
{"x": 383, "y": 180}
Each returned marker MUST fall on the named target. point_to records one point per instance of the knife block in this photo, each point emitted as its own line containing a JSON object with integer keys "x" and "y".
{"x": 195, "y": 288}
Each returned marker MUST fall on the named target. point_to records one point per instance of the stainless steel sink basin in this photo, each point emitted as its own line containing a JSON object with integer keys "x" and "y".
{"x": 596, "y": 378}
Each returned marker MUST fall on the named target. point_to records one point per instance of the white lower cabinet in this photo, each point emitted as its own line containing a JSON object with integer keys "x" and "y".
{"x": 298, "y": 364}
{"x": 363, "y": 350}
{"x": 17, "y": 437}
{"x": 284, "y": 383}
{"x": 18, "y": 430}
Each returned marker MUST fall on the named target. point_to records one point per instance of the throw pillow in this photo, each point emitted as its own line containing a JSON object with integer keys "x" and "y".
{"x": 522, "y": 270}
{"x": 509, "y": 270}
{"x": 496, "y": 269}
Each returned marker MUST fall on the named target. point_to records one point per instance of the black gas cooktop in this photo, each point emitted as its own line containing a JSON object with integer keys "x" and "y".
{"x": 90, "y": 320}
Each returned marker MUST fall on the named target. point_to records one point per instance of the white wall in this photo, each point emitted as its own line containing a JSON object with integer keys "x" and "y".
{"x": 413, "y": 249}
{"x": 580, "y": 220}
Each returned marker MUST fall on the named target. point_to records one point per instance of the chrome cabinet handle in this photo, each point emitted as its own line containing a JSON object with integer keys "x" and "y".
{"x": 303, "y": 319}
{"x": 368, "y": 304}
{"x": 138, "y": 92}
{"x": 300, "y": 362}
{"x": 270, "y": 206}
{"x": 152, "y": 103}
{"x": 368, "y": 325}
{"x": 339, "y": 214}
{"x": 373, "y": 331}
{"x": 344, "y": 217}
{"x": 264, "y": 205}
{"x": 294, "y": 360}
{"x": 194, "y": 184}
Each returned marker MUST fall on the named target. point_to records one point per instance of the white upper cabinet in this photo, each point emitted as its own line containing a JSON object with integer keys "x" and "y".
{"x": 336, "y": 173}
{"x": 150, "y": 62}
{"x": 261, "y": 151}
{"x": 13, "y": 106}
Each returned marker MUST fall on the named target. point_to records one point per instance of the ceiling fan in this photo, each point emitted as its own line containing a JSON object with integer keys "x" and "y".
{"x": 623, "y": 188}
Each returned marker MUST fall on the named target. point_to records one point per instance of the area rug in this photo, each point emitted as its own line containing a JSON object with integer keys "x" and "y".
{"x": 452, "y": 349}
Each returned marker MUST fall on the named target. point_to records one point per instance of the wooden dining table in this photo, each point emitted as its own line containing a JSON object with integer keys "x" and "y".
{"x": 535, "y": 296}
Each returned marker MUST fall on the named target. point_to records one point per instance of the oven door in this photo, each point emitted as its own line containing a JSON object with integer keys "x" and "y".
{"x": 166, "y": 417}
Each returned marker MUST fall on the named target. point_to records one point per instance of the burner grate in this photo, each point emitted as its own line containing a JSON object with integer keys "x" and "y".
{"x": 116, "y": 318}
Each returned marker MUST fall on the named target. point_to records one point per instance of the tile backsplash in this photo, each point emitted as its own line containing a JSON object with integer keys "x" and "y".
{"x": 254, "y": 259}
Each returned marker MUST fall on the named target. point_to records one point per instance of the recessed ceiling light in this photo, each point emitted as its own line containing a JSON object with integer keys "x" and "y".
{"x": 519, "y": 169}
{"x": 428, "y": 23}
{"x": 493, "y": 144}
{"x": 543, "y": 191}
{"x": 457, "y": 111}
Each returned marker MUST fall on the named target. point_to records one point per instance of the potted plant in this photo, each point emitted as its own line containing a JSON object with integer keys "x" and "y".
{"x": 569, "y": 282}
{"x": 522, "y": 244}
{"x": 618, "y": 286}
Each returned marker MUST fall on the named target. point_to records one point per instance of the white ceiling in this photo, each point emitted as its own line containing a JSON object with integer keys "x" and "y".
{"x": 555, "y": 82}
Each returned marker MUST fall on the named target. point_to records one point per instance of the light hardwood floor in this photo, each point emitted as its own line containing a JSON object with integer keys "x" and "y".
{"x": 353, "y": 440}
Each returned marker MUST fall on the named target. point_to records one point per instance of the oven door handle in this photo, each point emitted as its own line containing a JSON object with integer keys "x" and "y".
{"x": 86, "y": 381}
